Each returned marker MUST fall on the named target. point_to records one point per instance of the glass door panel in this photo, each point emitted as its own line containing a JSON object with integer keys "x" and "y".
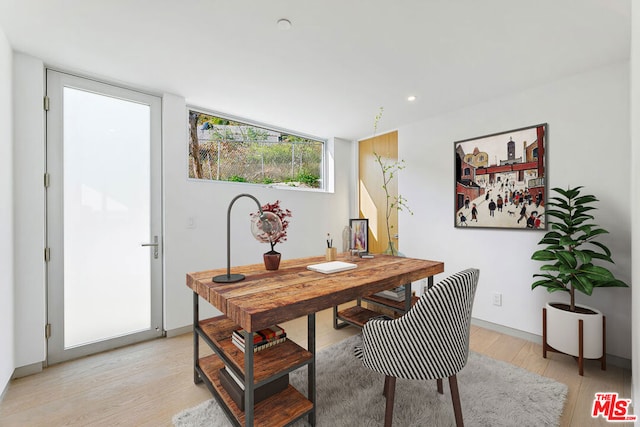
{"x": 106, "y": 217}
{"x": 103, "y": 221}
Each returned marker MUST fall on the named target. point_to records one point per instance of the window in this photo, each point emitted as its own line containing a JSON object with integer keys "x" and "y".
{"x": 223, "y": 149}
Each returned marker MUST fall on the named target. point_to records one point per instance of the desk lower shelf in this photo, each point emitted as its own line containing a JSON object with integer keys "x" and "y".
{"x": 397, "y": 306}
{"x": 283, "y": 357}
{"x": 278, "y": 410}
{"x": 358, "y": 315}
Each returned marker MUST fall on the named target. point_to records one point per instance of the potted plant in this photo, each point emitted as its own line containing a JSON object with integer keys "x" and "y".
{"x": 572, "y": 256}
{"x": 271, "y": 258}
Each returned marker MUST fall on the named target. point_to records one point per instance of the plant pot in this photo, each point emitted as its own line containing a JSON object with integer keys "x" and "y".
{"x": 271, "y": 260}
{"x": 562, "y": 330}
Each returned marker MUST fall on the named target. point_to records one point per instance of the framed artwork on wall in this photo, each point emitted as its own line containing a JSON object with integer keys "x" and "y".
{"x": 500, "y": 180}
{"x": 359, "y": 234}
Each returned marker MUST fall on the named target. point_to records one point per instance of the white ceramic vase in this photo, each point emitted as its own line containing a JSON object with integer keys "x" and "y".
{"x": 562, "y": 331}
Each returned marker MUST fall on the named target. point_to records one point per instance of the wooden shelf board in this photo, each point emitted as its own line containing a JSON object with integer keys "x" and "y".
{"x": 278, "y": 410}
{"x": 281, "y": 357}
{"x": 218, "y": 328}
{"x": 357, "y": 315}
{"x": 397, "y": 305}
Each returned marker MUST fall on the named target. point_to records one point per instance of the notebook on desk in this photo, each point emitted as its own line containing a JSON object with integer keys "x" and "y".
{"x": 331, "y": 267}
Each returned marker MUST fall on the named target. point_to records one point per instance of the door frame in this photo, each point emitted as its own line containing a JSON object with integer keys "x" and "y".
{"x": 55, "y": 81}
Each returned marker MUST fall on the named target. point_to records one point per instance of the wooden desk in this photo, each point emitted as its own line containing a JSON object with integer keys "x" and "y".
{"x": 265, "y": 298}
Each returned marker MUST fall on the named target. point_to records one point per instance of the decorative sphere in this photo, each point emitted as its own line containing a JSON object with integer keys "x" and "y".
{"x": 267, "y": 229}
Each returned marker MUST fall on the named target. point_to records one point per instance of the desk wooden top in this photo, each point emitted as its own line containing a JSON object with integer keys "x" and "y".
{"x": 265, "y": 298}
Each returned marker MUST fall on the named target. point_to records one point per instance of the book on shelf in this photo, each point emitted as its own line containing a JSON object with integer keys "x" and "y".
{"x": 234, "y": 386}
{"x": 261, "y": 336}
{"x": 260, "y": 346}
{"x": 395, "y": 294}
{"x": 262, "y": 339}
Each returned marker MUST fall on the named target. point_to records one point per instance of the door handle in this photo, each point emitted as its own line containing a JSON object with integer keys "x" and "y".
{"x": 155, "y": 245}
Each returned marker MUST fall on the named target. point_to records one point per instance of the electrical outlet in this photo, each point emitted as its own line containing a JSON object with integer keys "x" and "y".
{"x": 191, "y": 222}
{"x": 497, "y": 299}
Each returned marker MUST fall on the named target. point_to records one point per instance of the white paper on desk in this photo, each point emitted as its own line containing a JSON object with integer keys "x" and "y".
{"x": 331, "y": 267}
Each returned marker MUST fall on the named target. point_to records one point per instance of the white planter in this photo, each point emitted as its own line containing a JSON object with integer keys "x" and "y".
{"x": 562, "y": 331}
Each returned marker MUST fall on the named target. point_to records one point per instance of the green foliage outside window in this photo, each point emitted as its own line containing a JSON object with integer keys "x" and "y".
{"x": 226, "y": 150}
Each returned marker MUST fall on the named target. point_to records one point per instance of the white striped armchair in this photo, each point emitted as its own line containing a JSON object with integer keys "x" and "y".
{"x": 430, "y": 341}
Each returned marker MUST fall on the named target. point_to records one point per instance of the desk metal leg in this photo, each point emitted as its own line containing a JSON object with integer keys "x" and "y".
{"x": 407, "y": 297}
{"x": 196, "y": 340}
{"x": 311, "y": 347}
{"x": 336, "y": 324}
{"x": 248, "y": 379}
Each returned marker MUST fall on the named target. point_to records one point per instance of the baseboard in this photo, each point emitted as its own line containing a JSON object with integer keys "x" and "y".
{"x": 24, "y": 371}
{"x": 179, "y": 331}
{"x": 4, "y": 391}
{"x": 618, "y": 361}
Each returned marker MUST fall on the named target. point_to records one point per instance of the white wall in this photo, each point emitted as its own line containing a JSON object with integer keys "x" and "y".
{"x": 588, "y": 144}
{"x": 29, "y": 209}
{"x": 185, "y": 250}
{"x": 589, "y": 110}
{"x": 204, "y": 247}
{"x": 635, "y": 193}
{"x": 7, "y": 345}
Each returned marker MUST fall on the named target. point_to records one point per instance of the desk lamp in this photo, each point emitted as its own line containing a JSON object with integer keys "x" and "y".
{"x": 269, "y": 224}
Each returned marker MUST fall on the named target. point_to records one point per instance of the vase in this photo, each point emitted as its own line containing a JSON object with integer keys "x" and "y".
{"x": 391, "y": 250}
{"x": 271, "y": 260}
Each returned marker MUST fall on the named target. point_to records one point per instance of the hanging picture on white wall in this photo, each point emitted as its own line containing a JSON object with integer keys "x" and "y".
{"x": 500, "y": 180}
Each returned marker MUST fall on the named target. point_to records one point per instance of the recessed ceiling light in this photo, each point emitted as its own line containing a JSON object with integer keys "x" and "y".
{"x": 284, "y": 24}
{"x": 411, "y": 98}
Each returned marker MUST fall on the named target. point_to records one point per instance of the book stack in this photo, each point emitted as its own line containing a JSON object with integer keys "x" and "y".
{"x": 235, "y": 387}
{"x": 262, "y": 339}
{"x": 395, "y": 294}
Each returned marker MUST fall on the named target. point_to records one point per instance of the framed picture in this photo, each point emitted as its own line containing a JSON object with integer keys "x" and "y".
{"x": 359, "y": 234}
{"x": 500, "y": 180}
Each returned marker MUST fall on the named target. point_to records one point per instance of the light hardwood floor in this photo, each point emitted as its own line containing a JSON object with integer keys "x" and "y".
{"x": 146, "y": 384}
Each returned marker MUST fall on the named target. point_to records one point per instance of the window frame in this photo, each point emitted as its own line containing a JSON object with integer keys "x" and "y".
{"x": 325, "y": 180}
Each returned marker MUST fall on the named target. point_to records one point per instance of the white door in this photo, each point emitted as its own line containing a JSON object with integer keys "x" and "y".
{"x": 104, "y": 275}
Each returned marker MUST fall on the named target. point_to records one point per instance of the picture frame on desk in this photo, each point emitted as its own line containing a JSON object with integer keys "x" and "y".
{"x": 359, "y": 234}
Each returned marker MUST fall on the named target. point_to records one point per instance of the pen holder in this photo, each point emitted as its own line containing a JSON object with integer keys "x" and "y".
{"x": 331, "y": 254}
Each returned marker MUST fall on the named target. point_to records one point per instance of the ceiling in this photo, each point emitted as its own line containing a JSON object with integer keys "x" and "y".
{"x": 338, "y": 64}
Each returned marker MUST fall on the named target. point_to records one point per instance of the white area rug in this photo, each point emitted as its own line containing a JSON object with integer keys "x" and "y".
{"x": 492, "y": 393}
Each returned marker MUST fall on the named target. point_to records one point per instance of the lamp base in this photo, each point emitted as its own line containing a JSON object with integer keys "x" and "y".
{"x": 228, "y": 278}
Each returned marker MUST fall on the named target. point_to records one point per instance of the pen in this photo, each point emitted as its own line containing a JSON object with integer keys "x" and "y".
{"x": 329, "y": 240}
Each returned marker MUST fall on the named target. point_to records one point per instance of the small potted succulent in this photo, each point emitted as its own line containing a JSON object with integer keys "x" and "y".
{"x": 572, "y": 258}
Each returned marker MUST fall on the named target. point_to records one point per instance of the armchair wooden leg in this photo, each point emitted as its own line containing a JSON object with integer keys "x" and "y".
{"x": 390, "y": 390}
{"x": 439, "y": 382}
{"x": 386, "y": 385}
{"x": 455, "y": 396}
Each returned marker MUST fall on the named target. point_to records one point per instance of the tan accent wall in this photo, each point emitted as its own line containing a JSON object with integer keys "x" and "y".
{"x": 371, "y": 196}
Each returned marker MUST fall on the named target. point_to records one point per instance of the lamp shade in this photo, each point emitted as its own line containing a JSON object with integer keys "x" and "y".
{"x": 266, "y": 227}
